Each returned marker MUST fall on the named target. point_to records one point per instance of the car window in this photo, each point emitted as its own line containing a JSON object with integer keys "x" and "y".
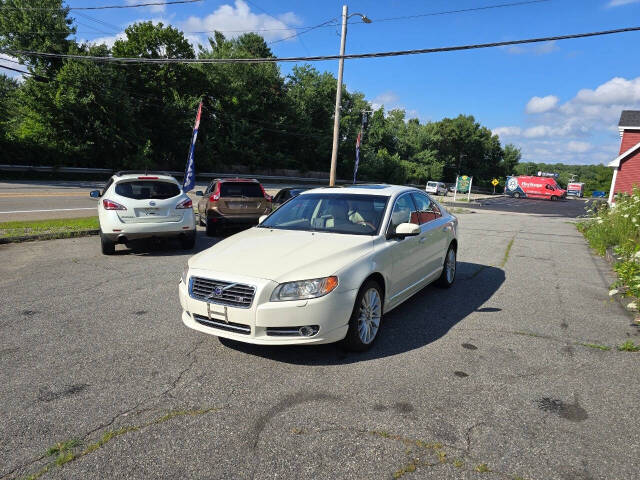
{"x": 209, "y": 188}
{"x": 404, "y": 211}
{"x": 106, "y": 187}
{"x": 427, "y": 210}
{"x": 240, "y": 189}
{"x": 333, "y": 213}
{"x": 147, "y": 190}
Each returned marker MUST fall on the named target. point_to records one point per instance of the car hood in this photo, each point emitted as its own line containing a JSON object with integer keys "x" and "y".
{"x": 282, "y": 255}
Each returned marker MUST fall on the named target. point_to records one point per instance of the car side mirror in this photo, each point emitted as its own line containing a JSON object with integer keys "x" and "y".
{"x": 262, "y": 219}
{"x": 407, "y": 230}
{"x": 94, "y": 193}
{"x": 199, "y": 193}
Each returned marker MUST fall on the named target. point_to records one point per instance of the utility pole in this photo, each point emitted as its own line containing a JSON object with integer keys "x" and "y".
{"x": 336, "y": 116}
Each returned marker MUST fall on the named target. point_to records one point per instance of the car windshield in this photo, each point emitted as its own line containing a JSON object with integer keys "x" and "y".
{"x": 330, "y": 212}
{"x": 147, "y": 190}
{"x": 432, "y": 184}
{"x": 240, "y": 189}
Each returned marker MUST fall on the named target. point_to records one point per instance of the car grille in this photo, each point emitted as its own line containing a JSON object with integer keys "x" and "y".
{"x": 231, "y": 294}
{"x": 221, "y": 325}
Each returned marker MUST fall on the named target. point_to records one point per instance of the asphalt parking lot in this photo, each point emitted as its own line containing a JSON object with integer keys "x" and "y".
{"x": 490, "y": 379}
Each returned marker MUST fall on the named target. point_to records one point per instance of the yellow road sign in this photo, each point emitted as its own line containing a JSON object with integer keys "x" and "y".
{"x": 494, "y": 182}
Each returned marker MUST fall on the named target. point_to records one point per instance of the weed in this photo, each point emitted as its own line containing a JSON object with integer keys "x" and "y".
{"x": 411, "y": 467}
{"x": 507, "y": 251}
{"x": 595, "y": 345}
{"x": 442, "y": 456}
{"x": 64, "y": 457}
{"x": 62, "y": 447}
{"x": 458, "y": 463}
{"x": 482, "y": 468}
{"x": 629, "y": 346}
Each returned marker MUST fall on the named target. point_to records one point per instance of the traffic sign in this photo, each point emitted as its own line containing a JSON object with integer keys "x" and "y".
{"x": 494, "y": 182}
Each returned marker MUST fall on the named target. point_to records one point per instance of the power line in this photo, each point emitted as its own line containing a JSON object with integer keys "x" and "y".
{"x": 451, "y": 12}
{"x": 105, "y": 7}
{"x": 319, "y": 58}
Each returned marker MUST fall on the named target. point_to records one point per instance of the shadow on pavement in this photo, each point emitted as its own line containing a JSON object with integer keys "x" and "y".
{"x": 166, "y": 247}
{"x": 418, "y": 322}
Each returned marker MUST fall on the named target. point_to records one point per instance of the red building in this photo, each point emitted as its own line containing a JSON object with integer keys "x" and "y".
{"x": 626, "y": 167}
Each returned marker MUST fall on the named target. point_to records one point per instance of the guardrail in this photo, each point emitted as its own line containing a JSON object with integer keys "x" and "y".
{"x": 107, "y": 171}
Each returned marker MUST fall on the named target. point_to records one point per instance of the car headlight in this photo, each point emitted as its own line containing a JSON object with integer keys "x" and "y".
{"x": 304, "y": 289}
{"x": 185, "y": 274}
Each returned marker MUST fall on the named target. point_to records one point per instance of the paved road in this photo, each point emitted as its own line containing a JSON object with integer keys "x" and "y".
{"x": 44, "y": 200}
{"x": 492, "y": 371}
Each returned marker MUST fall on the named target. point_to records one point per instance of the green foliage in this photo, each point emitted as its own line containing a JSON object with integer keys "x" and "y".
{"x": 595, "y": 177}
{"x": 629, "y": 346}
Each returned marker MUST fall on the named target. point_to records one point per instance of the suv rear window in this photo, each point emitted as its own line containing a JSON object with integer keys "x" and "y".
{"x": 240, "y": 189}
{"x": 147, "y": 190}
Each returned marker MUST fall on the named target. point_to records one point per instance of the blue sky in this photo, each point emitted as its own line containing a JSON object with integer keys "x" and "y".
{"x": 560, "y": 102}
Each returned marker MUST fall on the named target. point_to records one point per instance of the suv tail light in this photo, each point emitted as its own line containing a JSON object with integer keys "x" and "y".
{"x": 215, "y": 195}
{"x": 188, "y": 203}
{"x": 266, "y": 196}
{"x": 111, "y": 205}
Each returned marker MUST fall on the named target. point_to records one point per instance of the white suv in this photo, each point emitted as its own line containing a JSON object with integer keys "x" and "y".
{"x": 139, "y": 205}
{"x": 436, "y": 188}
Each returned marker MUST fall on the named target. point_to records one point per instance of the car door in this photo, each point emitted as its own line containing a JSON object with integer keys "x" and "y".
{"x": 405, "y": 270}
{"x": 432, "y": 236}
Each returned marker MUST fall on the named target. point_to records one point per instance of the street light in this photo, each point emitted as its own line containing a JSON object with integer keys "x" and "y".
{"x": 336, "y": 117}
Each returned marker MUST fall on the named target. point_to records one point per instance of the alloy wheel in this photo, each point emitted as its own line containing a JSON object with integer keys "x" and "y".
{"x": 369, "y": 316}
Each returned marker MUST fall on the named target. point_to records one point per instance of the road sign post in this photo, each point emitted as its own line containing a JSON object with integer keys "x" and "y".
{"x": 494, "y": 182}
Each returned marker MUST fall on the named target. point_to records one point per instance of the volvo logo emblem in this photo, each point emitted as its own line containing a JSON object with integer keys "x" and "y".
{"x": 217, "y": 291}
{"x": 152, "y": 203}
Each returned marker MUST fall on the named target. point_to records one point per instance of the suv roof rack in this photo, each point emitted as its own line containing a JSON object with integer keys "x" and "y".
{"x": 240, "y": 179}
{"x": 140, "y": 172}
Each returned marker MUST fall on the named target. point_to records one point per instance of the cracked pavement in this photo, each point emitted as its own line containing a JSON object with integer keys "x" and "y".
{"x": 491, "y": 372}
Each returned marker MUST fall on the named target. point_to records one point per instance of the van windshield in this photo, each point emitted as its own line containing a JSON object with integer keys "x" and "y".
{"x": 432, "y": 184}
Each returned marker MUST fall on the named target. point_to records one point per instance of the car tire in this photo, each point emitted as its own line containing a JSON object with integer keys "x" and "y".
{"x": 188, "y": 241}
{"x": 108, "y": 246}
{"x": 211, "y": 228}
{"x": 516, "y": 195}
{"x": 553, "y": 198}
{"x": 364, "y": 324}
{"x": 200, "y": 221}
{"x": 448, "y": 275}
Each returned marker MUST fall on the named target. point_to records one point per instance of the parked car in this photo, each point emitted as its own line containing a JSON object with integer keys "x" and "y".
{"x": 232, "y": 201}
{"x": 322, "y": 268}
{"x": 526, "y": 186}
{"x": 285, "y": 194}
{"x": 436, "y": 188}
{"x": 138, "y": 205}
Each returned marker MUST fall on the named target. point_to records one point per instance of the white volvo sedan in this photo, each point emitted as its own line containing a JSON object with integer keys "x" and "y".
{"x": 322, "y": 268}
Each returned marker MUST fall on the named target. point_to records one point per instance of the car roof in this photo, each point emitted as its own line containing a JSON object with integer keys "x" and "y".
{"x": 236, "y": 180}
{"x": 374, "y": 189}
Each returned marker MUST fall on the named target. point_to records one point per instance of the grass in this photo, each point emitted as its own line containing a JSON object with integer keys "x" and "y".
{"x": 506, "y": 253}
{"x": 482, "y": 468}
{"x": 604, "y": 348}
{"x": 629, "y": 346}
{"x": 62, "y": 227}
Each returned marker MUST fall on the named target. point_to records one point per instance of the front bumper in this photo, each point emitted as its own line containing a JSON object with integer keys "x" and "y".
{"x": 330, "y": 313}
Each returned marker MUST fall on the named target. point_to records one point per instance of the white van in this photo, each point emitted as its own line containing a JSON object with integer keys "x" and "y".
{"x": 437, "y": 188}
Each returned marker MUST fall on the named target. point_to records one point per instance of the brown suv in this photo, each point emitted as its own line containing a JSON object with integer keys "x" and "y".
{"x": 232, "y": 201}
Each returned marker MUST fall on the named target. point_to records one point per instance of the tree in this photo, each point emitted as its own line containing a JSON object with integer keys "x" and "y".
{"x": 510, "y": 158}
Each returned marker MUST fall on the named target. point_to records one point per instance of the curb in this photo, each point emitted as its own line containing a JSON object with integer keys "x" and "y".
{"x": 49, "y": 236}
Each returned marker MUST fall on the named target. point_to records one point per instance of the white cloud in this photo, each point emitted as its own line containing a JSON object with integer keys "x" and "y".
{"x": 389, "y": 100}
{"x": 580, "y": 130}
{"x": 537, "y": 49}
{"x": 109, "y": 40}
{"x": 233, "y": 21}
{"x": 618, "y": 3}
{"x": 507, "y": 131}
{"x": 542, "y": 104}
{"x": 579, "y": 147}
{"x": 153, "y": 8}
{"x": 9, "y": 61}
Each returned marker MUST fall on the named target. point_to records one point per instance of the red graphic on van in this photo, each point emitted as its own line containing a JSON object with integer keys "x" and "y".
{"x": 526, "y": 186}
